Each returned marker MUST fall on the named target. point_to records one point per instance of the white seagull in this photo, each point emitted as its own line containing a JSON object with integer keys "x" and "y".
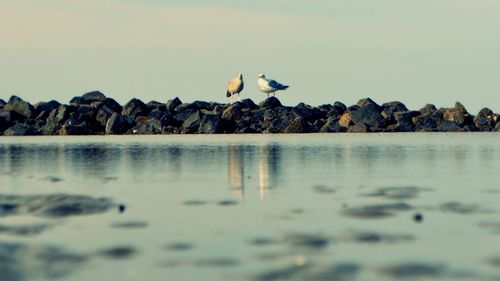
{"x": 235, "y": 86}
{"x": 269, "y": 86}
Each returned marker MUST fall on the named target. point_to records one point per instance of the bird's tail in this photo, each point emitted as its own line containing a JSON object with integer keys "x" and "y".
{"x": 228, "y": 94}
{"x": 284, "y": 87}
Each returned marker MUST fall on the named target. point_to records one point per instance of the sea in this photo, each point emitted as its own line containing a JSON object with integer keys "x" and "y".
{"x": 409, "y": 206}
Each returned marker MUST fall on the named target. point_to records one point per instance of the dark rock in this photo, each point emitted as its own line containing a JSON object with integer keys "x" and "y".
{"x": 173, "y": 103}
{"x": 332, "y": 126}
{"x": 154, "y": 105}
{"x": 191, "y": 125}
{"x": 305, "y": 111}
{"x": 116, "y": 125}
{"x": 19, "y": 129}
{"x": 448, "y": 126}
{"x": 165, "y": 117}
{"x": 269, "y": 115}
{"x": 93, "y": 96}
{"x": 368, "y": 101}
{"x": 77, "y": 101}
{"x": 168, "y": 130}
{"x": 2, "y": 103}
{"x": 390, "y": 108}
{"x": 353, "y": 108}
{"x": 403, "y": 122}
{"x": 18, "y": 105}
{"x": 298, "y": 126}
{"x": 43, "y": 109}
{"x": 210, "y": 124}
{"x": 369, "y": 115}
{"x": 182, "y": 116}
{"x": 103, "y": 114}
{"x": 277, "y": 125}
{"x": 248, "y": 104}
{"x": 457, "y": 114}
{"x": 427, "y": 109}
{"x": 56, "y": 119}
{"x": 339, "y": 108}
{"x": 84, "y": 113}
{"x": 485, "y": 120}
{"x": 427, "y": 122}
{"x": 233, "y": 112}
{"x": 72, "y": 127}
{"x": 146, "y": 126}
{"x": 135, "y": 107}
{"x": 270, "y": 102}
{"x": 359, "y": 128}
{"x": 112, "y": 104}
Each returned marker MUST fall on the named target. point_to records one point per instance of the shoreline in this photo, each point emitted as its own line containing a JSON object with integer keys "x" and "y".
{"x": 95, "y": 114}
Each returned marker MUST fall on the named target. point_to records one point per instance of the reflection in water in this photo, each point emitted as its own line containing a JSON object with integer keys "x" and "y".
{"x": 269, "y": 162}
{"x": 236, "y": 172}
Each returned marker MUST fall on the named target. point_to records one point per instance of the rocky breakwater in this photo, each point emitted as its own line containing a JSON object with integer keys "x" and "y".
{"x": 95, "y": 114}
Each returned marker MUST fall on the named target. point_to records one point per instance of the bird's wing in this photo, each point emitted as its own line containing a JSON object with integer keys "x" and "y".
{"x": 275, "y": 84}
{"x": 234, "y": 85}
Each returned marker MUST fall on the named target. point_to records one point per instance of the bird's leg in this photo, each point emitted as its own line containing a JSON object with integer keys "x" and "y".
{"x": 239, "y": 99}
{"x": 267, "y": 95}
{"x": 274, "y": 94}
{"x": 229, "y": 100}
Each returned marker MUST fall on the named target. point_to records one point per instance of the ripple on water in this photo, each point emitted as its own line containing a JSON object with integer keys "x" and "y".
{"x": 336, "y": 272}
{"x": 414, "y": 270}
{"x": 306, "y": 241}
{"x": 375, "y": 237}
{"x": 376, "y": 211}
{"x": 398, "y": 193}
{"x": 53, "y": 205}
{"x": 129, "y": 224}
{"x": 23, "y": 230}
{"x": 179, "y": 246}
{"x": 118, "y": 252}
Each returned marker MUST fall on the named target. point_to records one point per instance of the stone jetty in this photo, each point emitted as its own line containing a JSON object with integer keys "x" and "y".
{"x": 95, "y": 114}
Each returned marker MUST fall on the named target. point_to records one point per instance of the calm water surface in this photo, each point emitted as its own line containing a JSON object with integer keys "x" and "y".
{"x": 251, "y": 207}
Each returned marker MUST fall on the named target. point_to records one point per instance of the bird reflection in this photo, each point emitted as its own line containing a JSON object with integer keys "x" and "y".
{"x": 236, "y": 170}
{"x": 269, "y": 162}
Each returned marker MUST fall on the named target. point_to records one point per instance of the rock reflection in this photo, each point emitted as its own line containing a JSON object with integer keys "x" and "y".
{"x": 269, "y": 163}
{"x": 236, "y": 171}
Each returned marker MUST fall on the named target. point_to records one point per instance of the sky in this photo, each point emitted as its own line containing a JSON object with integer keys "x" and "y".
{"x": 417, "y": 52}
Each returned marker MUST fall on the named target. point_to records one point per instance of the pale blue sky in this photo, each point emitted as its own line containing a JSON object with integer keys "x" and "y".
{"x": 425, "y": 51}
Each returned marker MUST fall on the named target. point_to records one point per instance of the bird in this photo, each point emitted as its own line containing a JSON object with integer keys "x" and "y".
{"x": 235, "y": 86}
{"x": 269, "y": 86}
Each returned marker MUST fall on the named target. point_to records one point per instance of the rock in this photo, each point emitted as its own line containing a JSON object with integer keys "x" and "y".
{"x": 269, "y": 115}
{"x": 2, "y": 103}
{"x": 135, "y": 107}
{"x": 191, "y": 125}
{"x": 18, "y": 105}
{"x": 497, "y": 127}
{"x": 248, "y": 104}
{"x": 56, "y": 119}
{"x": 369, "y": 115}
{"x": 103, "y": 115}
{"x": 154, "y": 105}
{"x": 116, "y": 125}
{"x": 76, "y": 101}
{"x": 359, "y": 128}
{"x": 210, "y": 124}
{"x": 173, "y": 103}
{"x": 146, "y": 126}
{"x": 165, "y": 117}
{"x": 43, "y": 109}
{"x": 112, "y": 105}
{"x": 339, "y": 108}
{"x": 427, "y": 109}
{"x": 168, "y": 130}
{"x": 333, "y": 126}
{"x": 346, "y": 120}
{"x": 306, "y": 112}
{"x": 427, "y": 122}
{"x": 270, "y": 102}
{"x": 368, "y": 101}
{"x": 457, "y": 114}
{"x": 277, "y": 125}
{"x": 403, "y": 122}
{"x": 298, "y": 126}
{"x": 93, "y": 96}
{"x": 84, "y": 113}
{"x": 448, "y": 126}
{"x": 72, "y": 127}
{"x": 485, "y": 120}
{"x": 19, "y": 129}
{"x": 182, "y": 116}
{"x": 233, "y": 112}
{"x": 353, "y": 108}
{"x": 390, "y": 108}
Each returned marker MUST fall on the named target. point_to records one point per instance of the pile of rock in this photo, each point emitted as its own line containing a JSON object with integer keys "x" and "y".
{"x": 95, "y": 114}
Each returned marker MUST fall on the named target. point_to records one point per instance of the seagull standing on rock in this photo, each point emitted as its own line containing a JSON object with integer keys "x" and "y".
{"x": 235, "y": 86}
{"x": 269, "y": 86}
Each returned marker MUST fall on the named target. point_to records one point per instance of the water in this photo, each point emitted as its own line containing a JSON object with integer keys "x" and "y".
{"x": 251, "y": 207}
